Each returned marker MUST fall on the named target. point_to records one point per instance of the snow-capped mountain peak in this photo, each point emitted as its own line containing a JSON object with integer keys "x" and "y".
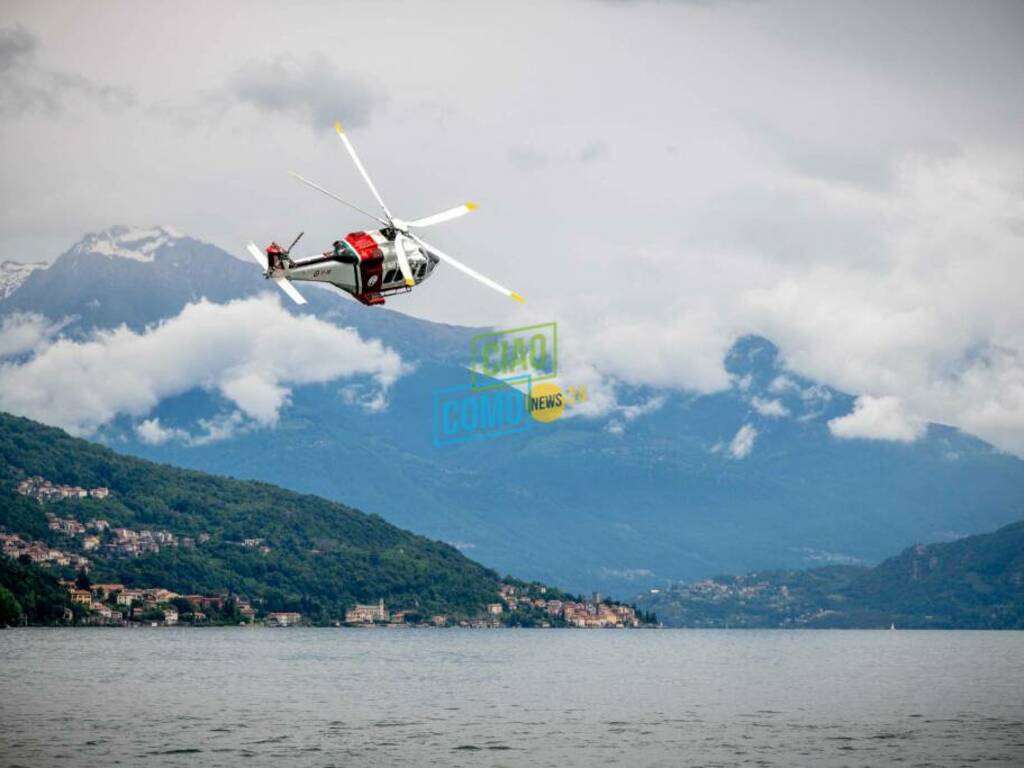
{"x": 13, "y": 274}
{"x": 128, "y": 242}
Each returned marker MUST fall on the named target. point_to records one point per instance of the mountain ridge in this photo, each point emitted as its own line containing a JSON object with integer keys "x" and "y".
{"x": 669, "y": 494}
{"x": 976, "y": 582}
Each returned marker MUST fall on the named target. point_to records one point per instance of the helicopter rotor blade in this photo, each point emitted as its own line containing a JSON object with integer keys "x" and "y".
{"x": 282, "y": 282}
{"x": 468, "y": 270}
{"x": 403, "y": 260}
{"x": 341, "y": 200}
{"x": 366, "y": 177}
{"x": 438, "y": 218}
{"x": 258, "y": 255}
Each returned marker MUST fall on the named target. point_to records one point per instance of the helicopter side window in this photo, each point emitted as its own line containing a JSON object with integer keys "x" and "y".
{"x": 389, "y": 277}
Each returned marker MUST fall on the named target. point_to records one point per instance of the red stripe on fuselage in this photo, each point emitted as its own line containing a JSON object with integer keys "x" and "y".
{"x": 370, "y": 266}
{"x": 364, "y": 244}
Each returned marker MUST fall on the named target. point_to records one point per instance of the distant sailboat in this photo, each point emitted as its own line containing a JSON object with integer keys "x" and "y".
{"x": 892, "y": 626}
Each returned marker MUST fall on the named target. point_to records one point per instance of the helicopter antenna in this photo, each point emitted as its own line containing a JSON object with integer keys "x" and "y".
{"x": 294, "y": 242}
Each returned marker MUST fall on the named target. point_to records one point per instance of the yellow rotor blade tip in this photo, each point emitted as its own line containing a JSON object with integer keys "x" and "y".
{"x": 410, "y": 282}
{"x": 338, "y": 128}
{"x": 518, "y": 298}
{"x": 472, "y": 206}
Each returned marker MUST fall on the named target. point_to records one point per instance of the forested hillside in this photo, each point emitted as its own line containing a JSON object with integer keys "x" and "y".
{"x": 290, "y": 551}
{"x": 973, "y": 583}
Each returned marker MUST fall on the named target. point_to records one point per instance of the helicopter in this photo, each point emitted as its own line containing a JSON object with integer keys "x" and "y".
{"x": 369, "y": 265}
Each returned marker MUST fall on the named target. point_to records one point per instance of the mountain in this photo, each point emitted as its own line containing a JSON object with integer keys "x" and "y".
{"x": 131, "y": 276}
{"x": 671, "y": 486}
{"x": 973, "y": 583}
{"x": 136, "y": 277}
{"x": 14, "y": 273}
{"x": 313, "y": 555}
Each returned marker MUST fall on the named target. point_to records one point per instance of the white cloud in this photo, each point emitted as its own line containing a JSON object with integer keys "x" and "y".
{"x": 627, "y": 413}
{"x": 251, "y": 352}
{"x": 781, "y": 384}
{"x": 743, "y": 442}
{"x": 878, "y": 418}
{"x": 771, "y": 408}
{"x": 222, "y": 427}
{"x": 882, "y": 258}
{"x": 152, "y": 432}
{"x": 21, "y": 333}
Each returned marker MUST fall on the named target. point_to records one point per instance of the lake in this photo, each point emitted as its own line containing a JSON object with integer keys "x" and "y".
{"x": 350, "y": 697}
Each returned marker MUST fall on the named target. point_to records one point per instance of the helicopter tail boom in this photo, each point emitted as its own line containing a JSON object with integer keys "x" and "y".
{"x": 282, "y": 282}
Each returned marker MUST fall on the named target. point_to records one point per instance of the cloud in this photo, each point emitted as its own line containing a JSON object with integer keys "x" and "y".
{"x": 770, "y": 408}
{"x": 531, "y": 158}
{"x": 743, "y": 442}
{"x": 21, "y": 333}
{"x": 878, "y": 418}
{"x": 251, "y": 352}
{"x": 221, "y": 427}
{"x": 627, "y": 413}
{"x": 627, "y": 574}
{"x": 152, "y": 432}
{"x": 310, "y": 87}
{"x": 16, "y": 46}
{"x": 26, "y": 87}
{"x": 855, "y": 196}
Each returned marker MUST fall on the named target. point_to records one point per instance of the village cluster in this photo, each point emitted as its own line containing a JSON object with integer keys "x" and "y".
{"x": 117, "y": 604}
{"x": 39, "y": 552}
{"x": 94, "y": 536}
{"x": 575, "y": 613}
{"x": 113, "y": 603}
{"x": 513, "y": 600}
{"x": 42, "y": 489}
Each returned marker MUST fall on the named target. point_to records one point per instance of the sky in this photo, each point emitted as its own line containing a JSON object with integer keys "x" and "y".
{"x": 846, "y": 179}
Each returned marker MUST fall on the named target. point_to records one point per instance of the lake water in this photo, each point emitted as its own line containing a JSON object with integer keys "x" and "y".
{"x": 323, "y": 697}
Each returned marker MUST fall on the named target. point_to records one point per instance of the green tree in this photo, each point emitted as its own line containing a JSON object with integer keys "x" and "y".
{"x": 10, "y": 609}
{"x": 152, "y": 614}
{"x": 82, "y": 580}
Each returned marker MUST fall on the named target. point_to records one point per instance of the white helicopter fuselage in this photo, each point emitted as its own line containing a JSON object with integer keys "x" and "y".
{"x": 366, "y": 266}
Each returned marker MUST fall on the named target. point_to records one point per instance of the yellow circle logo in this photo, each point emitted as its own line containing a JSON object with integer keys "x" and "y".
{"x": 546, "y": 401}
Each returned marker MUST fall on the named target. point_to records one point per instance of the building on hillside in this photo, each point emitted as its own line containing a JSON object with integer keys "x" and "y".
{"x": 207, "y": 602}
{"x": 283, "y": 619}
{"x": 81, "y": 596}
{"x": 129, "y": 596}
{"x": 107, "y": 588}
{"x": 495, "y": 609}
{"x": 366, "y": 614}
{"x": 170, "y": 616}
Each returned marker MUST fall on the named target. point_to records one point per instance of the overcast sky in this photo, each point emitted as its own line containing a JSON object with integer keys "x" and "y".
{"x": 846, "y": 179}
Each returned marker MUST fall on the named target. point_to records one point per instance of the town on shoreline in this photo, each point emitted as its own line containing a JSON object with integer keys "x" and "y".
{"x": 113, "y": 604}
{"x": 94, "y": 542}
